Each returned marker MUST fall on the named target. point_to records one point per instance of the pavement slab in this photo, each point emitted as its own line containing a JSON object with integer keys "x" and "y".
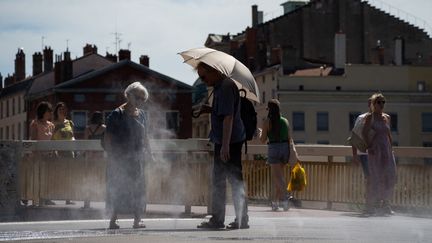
{"x": 296, "y": 225}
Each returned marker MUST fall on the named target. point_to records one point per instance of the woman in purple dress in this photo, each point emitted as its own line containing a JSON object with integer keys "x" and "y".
{"x": 382, "y": 166}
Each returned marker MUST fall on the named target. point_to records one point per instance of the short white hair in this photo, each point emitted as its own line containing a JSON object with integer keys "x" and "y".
{"x": 134, "y": 87}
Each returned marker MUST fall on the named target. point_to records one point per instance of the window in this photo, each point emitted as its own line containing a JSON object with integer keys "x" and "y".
{"x": 273, "y": 94}
{"x": 1, "y": 132}
{"x": 299, "y": 141}
{"x": 19, "y": 105}
{"x": 13, "y": 132}
{"x": 352, "y": 118}
{"x": 79, "y": 98}
{"x": 7, "y": 109}
{"x": 7, "y": 133}
{"x": 172, "y": 121}
{"x": 263, "y": 79}
{"x": 427, "y": 161}
{"x": 110, "y": 98}
{"x": 298, "y": 121}
{"x": 394, "y": 122}
{"x": 13, "y": 106}
{"x": 79, "y": 119}
{"x": 426, "y": 122}
{"x": 1, "y": 109}
{"x": 421, "y": 86}
{"x": 19, "y": 131}
{"x": 263, "y": 98}
{"x": 322, "y": 121}
{"x": 323, "y": 142}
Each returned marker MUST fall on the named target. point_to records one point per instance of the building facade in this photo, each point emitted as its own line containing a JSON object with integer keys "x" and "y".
{"x": 96, "y": 83}
{"x": 322, "y": 109}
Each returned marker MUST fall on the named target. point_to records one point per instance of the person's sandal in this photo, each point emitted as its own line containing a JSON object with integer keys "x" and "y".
{"x": 210, "y": 225}
{"x": 139, "y": 225}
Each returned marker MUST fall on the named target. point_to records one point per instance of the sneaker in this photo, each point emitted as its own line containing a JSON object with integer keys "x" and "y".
{"x": 274, "y": 206}
{"x": 386, "y": 211}
{"x": 138, "y": 225}
{"x": 235, "y": 225}
{"x": 49, "y": 202}
{"x": 369, "y": 211}
{"x": 285, "y": 205}
{"x": 386, "y": 208}
{"x": 211, "y": 224}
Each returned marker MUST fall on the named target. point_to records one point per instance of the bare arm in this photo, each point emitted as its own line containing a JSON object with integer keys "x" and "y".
{"x": 33, "y": 130}
{"x": 388, "y": 121}
{"x": 264, "y": 133}
{"x": 226, "y": 137}
{"x": 292, "y": 145}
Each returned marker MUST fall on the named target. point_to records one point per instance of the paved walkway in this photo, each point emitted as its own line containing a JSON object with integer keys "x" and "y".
{"x": 296, "y": 225}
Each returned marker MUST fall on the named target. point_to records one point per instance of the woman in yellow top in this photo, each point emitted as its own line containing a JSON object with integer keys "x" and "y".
{"x": 63, "y": 130}
{"x": 63, "y": 127}
{"x": 276, "y": 132}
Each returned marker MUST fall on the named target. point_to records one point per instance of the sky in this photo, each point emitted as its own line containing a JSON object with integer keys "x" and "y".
{"x": 157, "y": 28}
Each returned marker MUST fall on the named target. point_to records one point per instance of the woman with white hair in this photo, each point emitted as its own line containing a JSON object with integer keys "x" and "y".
{"x": 126, "y": 143}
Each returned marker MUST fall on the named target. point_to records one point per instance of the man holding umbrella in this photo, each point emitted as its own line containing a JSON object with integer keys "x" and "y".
{"x": 227, "y": 76}
{"x": 228, "y": 134}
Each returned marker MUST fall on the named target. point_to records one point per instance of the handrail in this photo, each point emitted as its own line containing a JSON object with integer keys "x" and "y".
{"x": 203, "y": 145}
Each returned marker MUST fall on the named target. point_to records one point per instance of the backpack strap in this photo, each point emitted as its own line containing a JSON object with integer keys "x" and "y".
{"x": 93, "y": 132}
{"x": 196, "y": 114}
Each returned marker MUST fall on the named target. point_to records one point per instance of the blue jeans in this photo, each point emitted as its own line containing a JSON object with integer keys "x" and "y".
{"x": 232, "y": 170}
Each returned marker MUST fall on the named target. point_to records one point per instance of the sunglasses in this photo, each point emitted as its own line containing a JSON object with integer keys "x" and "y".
{"x": 380, "y": 102}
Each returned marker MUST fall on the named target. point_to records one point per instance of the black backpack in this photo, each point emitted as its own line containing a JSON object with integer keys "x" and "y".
{"x": 248, "y": 116}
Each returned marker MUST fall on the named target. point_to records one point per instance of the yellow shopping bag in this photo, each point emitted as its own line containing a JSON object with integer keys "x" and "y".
{"x": 298, "y": 178}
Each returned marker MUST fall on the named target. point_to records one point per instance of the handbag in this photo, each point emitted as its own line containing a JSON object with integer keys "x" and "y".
{"x": 298, "y": 179}
{"x": 358, "y": 142}
{"x": 293, "y": 156}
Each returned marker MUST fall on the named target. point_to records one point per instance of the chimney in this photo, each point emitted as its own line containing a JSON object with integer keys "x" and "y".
{"x": 1, "y": 82}
{"x": 57, "y": 69}
{"x": 339, "y": 50}
{"x": 89, "y": 49}
{"x": 399, "y": 51}
{"x": 20, "y": 65}
{"x": 67, "y": 66}
{"x": 9, "y": 80}
{"x": 290, "y": 6}
{"x": 48, "y": 59}
{"x": 124, "y": 55}
{"x": 378, "y": 54}
{"x": 63, "y": 69}
{"x": 37, "y": 63}
{"x": 257, "y": 16}
{"x": 111, "y": 57}
{"x": 144, "y": 60}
